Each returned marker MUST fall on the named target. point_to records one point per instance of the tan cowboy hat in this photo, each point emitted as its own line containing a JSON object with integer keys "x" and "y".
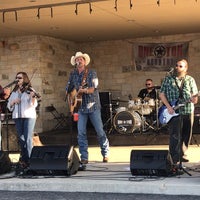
{"x": 80, "y": 54}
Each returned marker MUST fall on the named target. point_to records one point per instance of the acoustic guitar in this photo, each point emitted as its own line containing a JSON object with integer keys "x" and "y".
{"x": 75, "y": 99}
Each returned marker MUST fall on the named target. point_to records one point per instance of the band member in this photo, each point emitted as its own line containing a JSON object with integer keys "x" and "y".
{"x": 180, "y": 88}
{"x": 22, "y": 103}
{"x": 148, "y": 96}
{"x": 149, "y": 91}
{"x": 4, "y": 94}
{"x": 85, "y": 82}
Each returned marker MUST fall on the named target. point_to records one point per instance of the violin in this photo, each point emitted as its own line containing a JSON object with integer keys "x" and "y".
{"x": 28, "y": 89}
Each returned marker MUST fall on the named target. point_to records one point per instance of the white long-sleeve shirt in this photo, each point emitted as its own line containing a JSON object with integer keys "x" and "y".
{"x": 25, "y": 109}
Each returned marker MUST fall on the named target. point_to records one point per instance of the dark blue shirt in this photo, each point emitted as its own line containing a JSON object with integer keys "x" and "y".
{"x": 90, "y": 102}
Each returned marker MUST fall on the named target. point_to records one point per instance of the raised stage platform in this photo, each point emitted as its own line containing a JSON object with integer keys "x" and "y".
{"x": 113, "y": 177}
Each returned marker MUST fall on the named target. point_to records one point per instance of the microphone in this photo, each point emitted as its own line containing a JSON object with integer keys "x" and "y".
{"x": 77, "y": 64}
{"x": 171, "y": 71}
{"x": 12, "y": 83}
{"x": 130, "y": 97}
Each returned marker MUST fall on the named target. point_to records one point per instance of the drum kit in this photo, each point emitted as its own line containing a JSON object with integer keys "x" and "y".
{"x": 139, "y": 115}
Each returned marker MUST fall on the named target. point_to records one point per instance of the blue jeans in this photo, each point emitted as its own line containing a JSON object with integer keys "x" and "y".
{"x": 180, "y": 130}
{"x": 95, "y": 118}
{"x": 25, "y": 128}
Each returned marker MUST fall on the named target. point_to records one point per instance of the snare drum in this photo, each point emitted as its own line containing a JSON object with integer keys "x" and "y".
{"x": 120, "y": 109}
{"x": 127, "y": 121}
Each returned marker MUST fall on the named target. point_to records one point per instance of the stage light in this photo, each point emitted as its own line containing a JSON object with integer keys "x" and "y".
{"x": 90, "y": 7}
{"x": 4, "y": 12}
{"x": 115, "y": 5}
{"x": 38, "y": 15}
{"x": 131, "y": 5}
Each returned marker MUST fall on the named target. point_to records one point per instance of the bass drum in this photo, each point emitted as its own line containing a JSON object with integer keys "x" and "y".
{"x": 127, "y": 121}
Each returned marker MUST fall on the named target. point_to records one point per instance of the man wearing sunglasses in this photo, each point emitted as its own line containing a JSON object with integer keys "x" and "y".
{"x": 149, "y": 91}
{"x": 179, "y": 89}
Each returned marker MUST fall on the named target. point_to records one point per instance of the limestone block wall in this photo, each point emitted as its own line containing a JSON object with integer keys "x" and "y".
{"x": 114, "y": 63}
{"x": 47, "y": 62}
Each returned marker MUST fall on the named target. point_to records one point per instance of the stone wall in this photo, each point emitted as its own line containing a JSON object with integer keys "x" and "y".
{"x": 47, "y": 62}
{"x": 110, "y": 58}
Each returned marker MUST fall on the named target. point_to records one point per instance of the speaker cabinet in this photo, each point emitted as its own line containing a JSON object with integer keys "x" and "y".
{"x": 196, "y": 125}
{"x": 5, "y": 163}
{"x": 9, "y": 138}
{"x": 151, "y": 162}
{"x": 54, "y": 159}
{"x": 105, "y": 99}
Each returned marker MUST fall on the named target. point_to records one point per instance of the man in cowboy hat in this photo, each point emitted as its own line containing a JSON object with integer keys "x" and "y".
{"x": 85, "y": 82}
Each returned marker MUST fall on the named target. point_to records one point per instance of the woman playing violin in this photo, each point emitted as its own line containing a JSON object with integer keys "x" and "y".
{"x": 22, "y": 103}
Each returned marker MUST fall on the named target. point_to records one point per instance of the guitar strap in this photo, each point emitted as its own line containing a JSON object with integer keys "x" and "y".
{"x": 84, "y": 77}
{"x": 180, "y": 88}
{"x": 79, "y": 96}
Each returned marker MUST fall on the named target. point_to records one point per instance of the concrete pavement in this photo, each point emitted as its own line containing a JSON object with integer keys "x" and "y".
{"x": 112, "y": 177}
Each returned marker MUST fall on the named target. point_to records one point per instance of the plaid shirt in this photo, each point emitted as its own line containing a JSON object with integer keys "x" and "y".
{"x": 171, "y": 91}
{"x": 90, "y": 102}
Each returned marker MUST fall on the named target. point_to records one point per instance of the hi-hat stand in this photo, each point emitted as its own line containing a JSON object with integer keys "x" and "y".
{"x": 154, "y": 125}
{"x": 109, "y": 122}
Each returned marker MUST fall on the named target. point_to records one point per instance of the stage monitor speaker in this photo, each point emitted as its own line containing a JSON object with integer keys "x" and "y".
{"x": 5, "y": 162}
{"x": 54, "y": 159}
{"x": 151, "y": 162}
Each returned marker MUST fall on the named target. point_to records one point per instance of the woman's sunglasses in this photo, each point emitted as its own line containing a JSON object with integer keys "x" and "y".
{"x": 19, "y": 77}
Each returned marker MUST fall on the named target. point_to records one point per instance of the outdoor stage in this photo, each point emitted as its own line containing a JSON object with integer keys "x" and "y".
{"x": 114, "y": 176}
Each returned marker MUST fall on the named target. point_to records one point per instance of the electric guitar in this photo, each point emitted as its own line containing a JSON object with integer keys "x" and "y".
{"x": 163, "y": 114}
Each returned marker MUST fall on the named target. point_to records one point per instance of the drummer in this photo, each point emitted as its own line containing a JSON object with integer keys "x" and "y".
{"x": 149, "y": 92}
{"x": 148, "y": 98}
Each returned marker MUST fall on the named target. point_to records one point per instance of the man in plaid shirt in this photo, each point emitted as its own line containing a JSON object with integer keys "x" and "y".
{"x": 179, "y": 88}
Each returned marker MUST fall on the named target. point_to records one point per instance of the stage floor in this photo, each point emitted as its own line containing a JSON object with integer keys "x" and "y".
{"x": 114, "y": 176}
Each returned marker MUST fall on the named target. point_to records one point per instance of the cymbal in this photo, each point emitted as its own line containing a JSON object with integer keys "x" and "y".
{"x": 137, "y": 99}
{"x": 156, "y": 87}
{"x": 119, "y": 100}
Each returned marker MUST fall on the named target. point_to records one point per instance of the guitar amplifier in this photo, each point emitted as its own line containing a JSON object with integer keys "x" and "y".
{"x": 105, "y": 99}
{"x": 196, "y": 125}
